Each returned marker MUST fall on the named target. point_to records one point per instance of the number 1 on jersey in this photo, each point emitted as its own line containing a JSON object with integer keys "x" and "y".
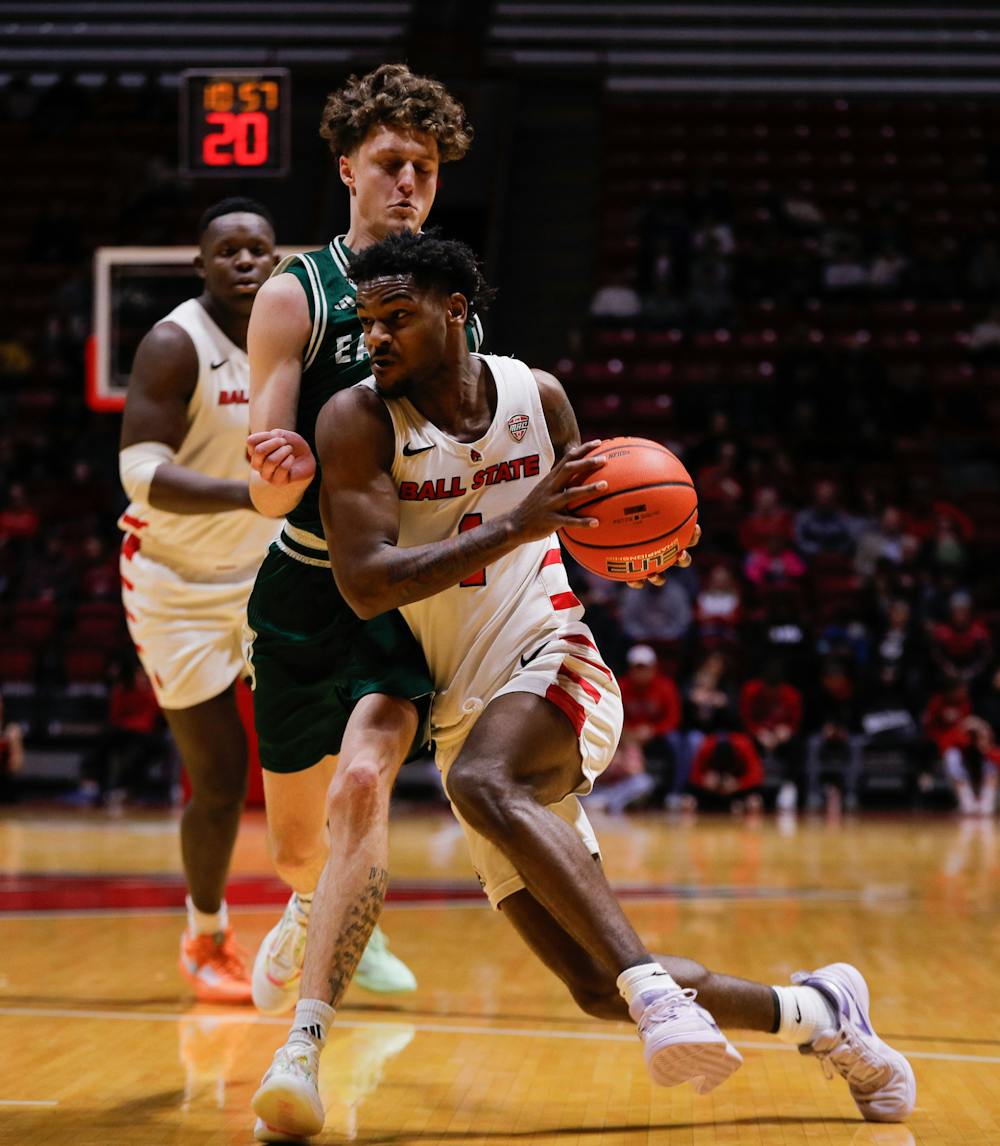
{"x": 476, "y": 580}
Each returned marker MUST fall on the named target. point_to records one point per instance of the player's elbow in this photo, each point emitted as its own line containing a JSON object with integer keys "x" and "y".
{"x": 362, "y": 594}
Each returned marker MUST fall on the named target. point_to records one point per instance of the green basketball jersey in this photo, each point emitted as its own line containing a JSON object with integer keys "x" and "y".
{"x": 335, "y": 356}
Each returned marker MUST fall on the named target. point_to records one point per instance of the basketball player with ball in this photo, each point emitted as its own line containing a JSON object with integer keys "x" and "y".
{"x": 449, "y": 475}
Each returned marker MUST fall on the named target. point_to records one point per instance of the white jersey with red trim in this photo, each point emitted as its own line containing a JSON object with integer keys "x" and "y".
{"x": 215, "y": 445}
{"x": 477, "y": 633}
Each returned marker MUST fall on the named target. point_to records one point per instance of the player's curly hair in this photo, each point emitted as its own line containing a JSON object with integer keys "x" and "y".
{"x": 392, "y": 94}
{"x": 433, "y": 263}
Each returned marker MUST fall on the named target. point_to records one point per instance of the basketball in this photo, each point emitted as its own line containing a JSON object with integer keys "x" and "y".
{"x": 648, "y": 512}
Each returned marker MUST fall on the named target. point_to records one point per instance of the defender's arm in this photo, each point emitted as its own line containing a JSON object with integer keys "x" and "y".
{"x": 282, "y": 464}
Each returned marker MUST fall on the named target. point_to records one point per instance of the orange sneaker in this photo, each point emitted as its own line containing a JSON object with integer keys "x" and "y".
{"x": 214, "y": 966}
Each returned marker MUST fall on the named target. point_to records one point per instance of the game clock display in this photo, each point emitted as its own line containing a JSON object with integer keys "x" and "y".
{"x": 234, "y": 122}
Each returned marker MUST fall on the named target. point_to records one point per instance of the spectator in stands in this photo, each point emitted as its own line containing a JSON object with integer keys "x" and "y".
{"x": 711, "y": 698}
{"x": 834, "y": 746}
{"x": 727, "y": 774}
{"x": 49, "y": 575}
{"x": 886, "y": 715}
{"x": 946, "y": 712}
{"x": 719, "y": 608}
{"x": 984, "y": 338}
{"x": 774, "y": 566}
{"x": 771, "y": 711}
{"x": 616, "y": 302}
{"x": 961, "y": 646}
{"x": 822, "y": 529}
{"x": 652, "y": 707}
{"x": 710, "y": 297}
{"x": 843, "y": 268}
{"x": 11, "y": 757}
{"x": 897, "y": 645}
{"x": 720, "y": 492}
{"x": 945, "y": 552}
{"x": 661, "y": 615}
{"x": 133, "y": 739}
{"x": 885, "y": 541}
{"x": 887, "y": 268}
{"x": 17, "y": 517}
{"x": 99, "y": 576}
{"x": 769, "y": 519}
{"x": 970, "y": 764}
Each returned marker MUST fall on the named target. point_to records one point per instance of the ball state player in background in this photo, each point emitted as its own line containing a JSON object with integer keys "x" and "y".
{"x": 193, "y": 543}
{"x": 526, "y": 713}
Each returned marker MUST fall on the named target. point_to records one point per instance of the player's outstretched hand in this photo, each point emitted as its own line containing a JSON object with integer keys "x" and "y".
{"x": 545, "y": 510}
{"x": 682, "y": 562}
{"x": 281, "y": 457}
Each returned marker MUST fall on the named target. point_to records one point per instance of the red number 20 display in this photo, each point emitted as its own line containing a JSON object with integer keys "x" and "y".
{"x": 235, "y": 123}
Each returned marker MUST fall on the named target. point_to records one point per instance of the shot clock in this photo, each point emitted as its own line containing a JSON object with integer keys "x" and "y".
{"x": 235, "y": 122}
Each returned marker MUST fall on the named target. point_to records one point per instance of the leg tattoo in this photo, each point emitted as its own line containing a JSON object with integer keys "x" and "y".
{"x": 354, "y": 935}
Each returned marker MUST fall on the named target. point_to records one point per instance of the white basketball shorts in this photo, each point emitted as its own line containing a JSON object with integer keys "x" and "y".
{"x": 188, "y": 633}
{"x": 568, "y": 672}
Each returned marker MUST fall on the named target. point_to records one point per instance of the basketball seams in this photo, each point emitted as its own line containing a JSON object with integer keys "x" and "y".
{"x": 627, "y": 492}
{"x": 623, "y": 547}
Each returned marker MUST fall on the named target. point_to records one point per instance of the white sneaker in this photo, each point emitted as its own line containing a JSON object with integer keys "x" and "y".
{"x": 287, "y": 1102}
{"x": 264, "y": 1133}
{"x": 681, "y": 1042}
{"x": 880, "y": 1079}
{"x": 379, "y": 970}
{"x": 277, "y": 969}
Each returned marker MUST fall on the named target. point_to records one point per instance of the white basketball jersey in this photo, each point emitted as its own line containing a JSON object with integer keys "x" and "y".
{"x": 215, "y": 445}
{"x": 474, "y": 633}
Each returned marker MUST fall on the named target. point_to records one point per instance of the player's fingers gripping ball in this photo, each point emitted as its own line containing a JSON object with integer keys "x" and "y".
{"x": 648, "y": 514}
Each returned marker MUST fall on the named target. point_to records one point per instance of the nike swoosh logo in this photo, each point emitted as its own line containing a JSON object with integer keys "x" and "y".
{"x": 216, "y": 365}
{"x": 526, "y": 660}
{"x": 798, "y": 1013}
{"x": 410, "y": 452}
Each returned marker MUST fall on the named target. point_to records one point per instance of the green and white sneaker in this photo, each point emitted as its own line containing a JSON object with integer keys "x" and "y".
{"x": 277, "y": 969}
{"x": 380, "y": 971}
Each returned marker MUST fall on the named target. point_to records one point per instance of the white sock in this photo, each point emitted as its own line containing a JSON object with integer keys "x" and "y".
{"x": 639, "y": 985}
{"x": 304, "y": 903}
{"x": 205, "y": 923}
{"x": 805, "y": 1013}
{"x": 312, "y": 1021}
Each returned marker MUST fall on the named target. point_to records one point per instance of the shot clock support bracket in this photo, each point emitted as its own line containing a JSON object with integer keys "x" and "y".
{"x": 235, "y": 122}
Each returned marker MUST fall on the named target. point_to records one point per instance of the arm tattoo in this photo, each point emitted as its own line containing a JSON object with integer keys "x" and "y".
{"x": 442, "y": 563}
{"x": 354, "y": 935}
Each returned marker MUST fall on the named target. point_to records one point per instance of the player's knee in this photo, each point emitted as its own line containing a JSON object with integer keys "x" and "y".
{"x": 357, "y": 791}
{"x": 295, "y": 856}
{"x": 482, "y": 796}
{"x": 219, "y": 784}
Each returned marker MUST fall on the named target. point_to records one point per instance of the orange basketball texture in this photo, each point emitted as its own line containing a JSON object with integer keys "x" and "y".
{"x": 647, "y": 513}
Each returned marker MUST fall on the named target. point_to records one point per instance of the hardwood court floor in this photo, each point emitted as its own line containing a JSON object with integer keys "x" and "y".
{"x": 100, "y": 1045}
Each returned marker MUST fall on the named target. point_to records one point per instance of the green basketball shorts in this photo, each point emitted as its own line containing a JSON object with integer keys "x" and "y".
{"x": 312, "y": 659}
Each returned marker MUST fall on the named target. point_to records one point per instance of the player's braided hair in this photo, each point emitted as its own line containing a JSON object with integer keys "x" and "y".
{"x": 432, "y": 262}
{"x": 392, "y": 94}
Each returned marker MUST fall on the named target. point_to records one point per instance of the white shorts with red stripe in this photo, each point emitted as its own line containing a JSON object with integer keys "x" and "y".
{"x": 567, "y": 670}
{"x": 186, "y": 623}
